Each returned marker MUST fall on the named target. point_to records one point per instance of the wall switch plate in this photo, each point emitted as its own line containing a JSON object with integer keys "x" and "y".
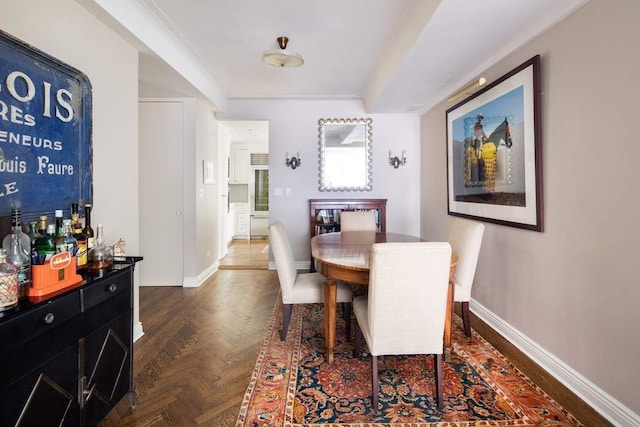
{"x": 277, "y": 191}
{"x": 288, "y": 191}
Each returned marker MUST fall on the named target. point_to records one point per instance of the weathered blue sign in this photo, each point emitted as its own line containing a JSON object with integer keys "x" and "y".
{"x": 45, "y": 132}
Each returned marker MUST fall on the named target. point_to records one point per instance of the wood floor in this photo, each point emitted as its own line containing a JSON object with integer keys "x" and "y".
{"x": 192, "y": 366}
{"x": 246, "y": 255}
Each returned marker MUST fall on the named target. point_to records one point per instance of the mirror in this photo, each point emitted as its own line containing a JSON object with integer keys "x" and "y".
{"x": 345, "y": 154}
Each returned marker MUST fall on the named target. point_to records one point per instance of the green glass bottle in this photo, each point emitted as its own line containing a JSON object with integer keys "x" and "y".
{"x": 46, "y": 245}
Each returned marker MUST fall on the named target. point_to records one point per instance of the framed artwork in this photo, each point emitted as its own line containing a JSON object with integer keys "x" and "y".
{"x": 207, "y": 172}
{"x": 494, "y": 158}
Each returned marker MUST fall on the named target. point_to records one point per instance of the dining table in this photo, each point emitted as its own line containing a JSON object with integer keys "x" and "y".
{"x": 346, "y": 257}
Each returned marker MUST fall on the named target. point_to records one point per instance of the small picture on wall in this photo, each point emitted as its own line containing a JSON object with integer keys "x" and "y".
{"x": 494, "y": 154}
{"x": 207, "y": 172}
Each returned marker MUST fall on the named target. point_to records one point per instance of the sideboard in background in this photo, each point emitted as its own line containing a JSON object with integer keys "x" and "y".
{"x": 324, "y": 215}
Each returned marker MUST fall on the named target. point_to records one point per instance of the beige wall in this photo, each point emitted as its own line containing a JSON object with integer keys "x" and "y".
{"x": 574, "y": 289}
{"x": 68, "y": 32}
{"x": 293, "y": 127}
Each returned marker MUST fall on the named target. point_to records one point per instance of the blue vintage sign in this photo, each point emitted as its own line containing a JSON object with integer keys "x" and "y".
{"x": 45, "y": 132}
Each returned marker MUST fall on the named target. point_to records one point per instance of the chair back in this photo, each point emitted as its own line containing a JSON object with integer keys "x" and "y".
{"x": 407, "y": 298}
{"x": 358, "y": 221}
{"x": 283, "y": 257}
{"x": 465, "y": 238}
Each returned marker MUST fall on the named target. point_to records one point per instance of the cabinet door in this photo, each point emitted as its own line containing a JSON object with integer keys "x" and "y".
{"x": 46, "y": 396}
{"x": 106, "y": 374}
{"x": 239, "y": 166}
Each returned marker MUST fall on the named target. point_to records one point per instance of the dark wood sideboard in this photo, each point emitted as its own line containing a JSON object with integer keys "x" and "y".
{"x": 67, "y": 359}
{"x": 324, "y": 214}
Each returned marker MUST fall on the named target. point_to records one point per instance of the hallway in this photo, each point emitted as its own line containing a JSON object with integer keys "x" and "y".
{"x": 246, "y": 255}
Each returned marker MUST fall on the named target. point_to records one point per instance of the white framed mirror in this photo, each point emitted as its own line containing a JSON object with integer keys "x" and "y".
{"x": 345, "y": 154}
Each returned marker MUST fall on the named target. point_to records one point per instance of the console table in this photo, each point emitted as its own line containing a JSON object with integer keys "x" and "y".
{"x": 324, "y": 215}
{"x": 67, "y": 359}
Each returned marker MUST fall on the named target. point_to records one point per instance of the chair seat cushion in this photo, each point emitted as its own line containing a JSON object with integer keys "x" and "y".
{"x": 309, "y": 288}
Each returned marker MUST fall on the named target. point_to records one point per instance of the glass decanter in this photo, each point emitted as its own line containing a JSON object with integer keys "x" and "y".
{"x": 100, "y": 257}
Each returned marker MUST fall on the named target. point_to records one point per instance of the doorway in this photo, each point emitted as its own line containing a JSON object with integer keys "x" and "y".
{"x": 246, "y": 254}
{"x": 247, "y": 182}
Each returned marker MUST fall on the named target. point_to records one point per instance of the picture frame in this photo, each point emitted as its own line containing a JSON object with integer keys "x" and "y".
{"x": 207, "y": 172}
{"x": 494, "y": 153}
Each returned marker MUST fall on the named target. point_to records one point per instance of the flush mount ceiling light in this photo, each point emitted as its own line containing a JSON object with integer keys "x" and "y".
{"x": 282, "y": 57}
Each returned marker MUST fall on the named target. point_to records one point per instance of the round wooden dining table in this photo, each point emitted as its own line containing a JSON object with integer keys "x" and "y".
{"x": 345, "y": 257}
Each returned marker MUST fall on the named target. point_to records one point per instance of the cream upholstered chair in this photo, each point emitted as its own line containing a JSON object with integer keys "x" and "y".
{"x": 298, "y": 288}
{"x": 358, "y": 221}
{"x": 465, "y": 238}
{"x": 404, "y": 312}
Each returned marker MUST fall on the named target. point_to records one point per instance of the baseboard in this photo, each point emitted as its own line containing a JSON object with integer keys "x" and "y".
{"x": 598, "y": 399}
{"x": 137, "y": 331}
{"x": 194, "y": 282}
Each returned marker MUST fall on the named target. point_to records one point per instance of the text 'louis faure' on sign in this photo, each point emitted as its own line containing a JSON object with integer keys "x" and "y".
{"x": 45, "y": 131}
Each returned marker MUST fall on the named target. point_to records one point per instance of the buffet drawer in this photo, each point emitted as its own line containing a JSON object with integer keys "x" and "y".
{"x": 104, "y": 290}
{"x": 43, "y": 318}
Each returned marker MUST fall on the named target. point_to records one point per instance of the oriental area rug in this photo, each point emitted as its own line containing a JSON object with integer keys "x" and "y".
{"x": 293, "y": 385}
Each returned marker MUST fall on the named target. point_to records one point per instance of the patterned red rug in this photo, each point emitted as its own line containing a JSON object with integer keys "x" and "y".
{"x": 292, "y": 384}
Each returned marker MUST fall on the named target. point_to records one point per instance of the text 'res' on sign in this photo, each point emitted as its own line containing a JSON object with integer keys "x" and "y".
{"x": 45, "y": 132}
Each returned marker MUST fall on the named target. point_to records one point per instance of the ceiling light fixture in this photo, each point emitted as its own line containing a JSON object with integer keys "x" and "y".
{"x": 469, "y": 89}
{"x": 282, "y": 57}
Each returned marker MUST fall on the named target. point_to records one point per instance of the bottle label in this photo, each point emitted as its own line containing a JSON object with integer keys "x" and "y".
{"x": 81, "y": 255}
{"x": 64, "y": 247}
{"x": 91, "y": 242}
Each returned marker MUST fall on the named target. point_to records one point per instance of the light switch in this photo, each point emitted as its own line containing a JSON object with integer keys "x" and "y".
{"x": 288, "y": 191}
{"x": 277, "y": 191}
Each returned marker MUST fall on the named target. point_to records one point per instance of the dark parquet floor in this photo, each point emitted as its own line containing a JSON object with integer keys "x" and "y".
{"x": 193, "y": 365}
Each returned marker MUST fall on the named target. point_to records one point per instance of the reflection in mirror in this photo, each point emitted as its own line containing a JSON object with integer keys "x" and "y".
{"x": 345, "y": 154}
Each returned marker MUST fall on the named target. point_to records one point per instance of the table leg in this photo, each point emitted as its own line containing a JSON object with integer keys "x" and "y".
{"x": 330, "y": 292}
{"x": 447, "y": 322}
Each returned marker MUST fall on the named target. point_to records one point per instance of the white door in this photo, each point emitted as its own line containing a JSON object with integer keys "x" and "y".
{"x": 161, "y": 135}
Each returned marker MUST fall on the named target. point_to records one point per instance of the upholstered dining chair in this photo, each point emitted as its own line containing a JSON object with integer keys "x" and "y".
{"x": 358, "y": 221}
{"x": 299, "y": 288}
{"x": 404, "y": 311}
{"x": 465, "y": 237}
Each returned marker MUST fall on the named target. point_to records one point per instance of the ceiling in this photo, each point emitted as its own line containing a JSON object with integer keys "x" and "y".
{"x": 397, "y": 56}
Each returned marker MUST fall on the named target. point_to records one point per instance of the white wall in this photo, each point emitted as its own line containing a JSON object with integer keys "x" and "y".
{"x": 66, "y": 31}
{"x": 293, "y": 127}
{"x": 207, "y": 197}
{"x": 573, "y": 290}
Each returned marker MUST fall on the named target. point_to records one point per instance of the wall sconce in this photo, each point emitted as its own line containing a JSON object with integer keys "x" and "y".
{"x": 294, "y": 161}
{"x": 395, "y": 161}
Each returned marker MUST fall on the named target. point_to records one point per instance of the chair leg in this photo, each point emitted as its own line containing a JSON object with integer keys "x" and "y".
{"x": 286, "y": 317}
{"x": 437, "y": 364}
{"x": 356, "y": 341}
{"x": 374, "y": 383}
{"x": 346, "y": 314}
{"x": 466, "y": 317}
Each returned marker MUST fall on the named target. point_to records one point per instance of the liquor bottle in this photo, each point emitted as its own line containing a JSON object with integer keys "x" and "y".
{"x": 91, "y": 242}
{"x": 34, "y": 235}
{"x": 16, "y": 227}
{"x": 66, "y": 242}
{"x": 22, "y": 261}
{"x": 81, "y": 253}
{"x": 42, "y": 225}
{"x": 8, "y": 283}
{"x": 46, "y": 245}
{"x": 58, "y": 224}
{"x": 75, "y": 216}
{"x": 101, "y": 255}
{"x": 59, "y": 218}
